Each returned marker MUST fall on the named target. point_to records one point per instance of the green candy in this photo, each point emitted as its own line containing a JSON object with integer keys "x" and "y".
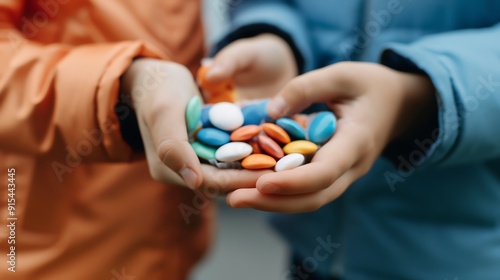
{"x": 193, "y": 113}
{"x": 202, "y": 151}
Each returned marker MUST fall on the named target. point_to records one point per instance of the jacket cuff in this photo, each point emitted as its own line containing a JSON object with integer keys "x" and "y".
{"x": 433, "y": 146}
{"x": 94, "y": 72}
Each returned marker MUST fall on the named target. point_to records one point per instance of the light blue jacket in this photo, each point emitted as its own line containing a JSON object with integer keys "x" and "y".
{"x": 436, "y": 218}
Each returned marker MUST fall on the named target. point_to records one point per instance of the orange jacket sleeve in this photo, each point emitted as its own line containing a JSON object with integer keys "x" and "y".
{"x": 59, "y": 98}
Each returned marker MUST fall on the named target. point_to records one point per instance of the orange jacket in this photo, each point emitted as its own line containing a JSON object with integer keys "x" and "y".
{"x": 85, "y": 209}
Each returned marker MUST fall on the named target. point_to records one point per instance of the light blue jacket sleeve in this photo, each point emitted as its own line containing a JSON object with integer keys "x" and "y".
{"x": 465, "y": 69}
{"x": 249, "y": 17}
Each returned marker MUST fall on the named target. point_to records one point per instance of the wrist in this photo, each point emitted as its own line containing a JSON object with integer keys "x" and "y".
{"x": 124, "y": 108}
{"x": 131, "y": 79}
{"x": 419, "y": 111}
{"x": 133, "y": 86}
{"x": 145, "y": 76}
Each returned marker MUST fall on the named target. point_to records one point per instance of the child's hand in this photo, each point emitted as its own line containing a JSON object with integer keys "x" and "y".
{"x": 374, "y": 104}
{"x": 259, "y": 66}
{"x": 222, "y": 181}
{"x": 160, "y": 92}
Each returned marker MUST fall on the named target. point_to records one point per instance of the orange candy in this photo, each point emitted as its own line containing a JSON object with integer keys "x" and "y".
{"x": 245, "y": 133}
{"x": 276, "y": 132}
{"x": 255, "y": 147}
{"x": 270, "y": 147}
{"x": 209, "y": 86}
{"x": 255, "y": 162}
{"x": 216, "y": 92}
{"x": 214, "y": 98}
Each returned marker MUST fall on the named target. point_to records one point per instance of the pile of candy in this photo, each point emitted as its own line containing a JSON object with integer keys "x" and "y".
{"x": 229, "y": 136}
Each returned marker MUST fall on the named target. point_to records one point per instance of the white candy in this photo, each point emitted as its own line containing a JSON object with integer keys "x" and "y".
{"x": 290, "y": 161}
{"x": 226, "y": 116}
{"x": 233, "y": 151}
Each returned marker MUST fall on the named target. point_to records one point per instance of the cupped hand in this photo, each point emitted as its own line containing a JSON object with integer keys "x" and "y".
{"x": 160, "y": 92}
{"x": 374, "y": 105}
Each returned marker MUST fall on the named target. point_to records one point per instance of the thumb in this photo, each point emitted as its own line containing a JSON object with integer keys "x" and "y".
{"x": 176, "y": 153}
{"x": 321, "y": 85}
{"x": 169, "y": 140}
{"x": 231, "y": 61}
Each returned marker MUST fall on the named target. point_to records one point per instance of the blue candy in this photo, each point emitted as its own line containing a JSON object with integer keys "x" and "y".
{"x": 256, "y": 113}
{"x": 213, "y": 137}
{"x": 205, "y": 120}
{"x": 252, "y": 114}
{"x": 263, "y": 110}
{"x": 293, "y": 128}
{"x": 322, "y": 127}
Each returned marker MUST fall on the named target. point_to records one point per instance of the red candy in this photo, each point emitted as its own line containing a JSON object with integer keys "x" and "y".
{"x": 270, "y": 147}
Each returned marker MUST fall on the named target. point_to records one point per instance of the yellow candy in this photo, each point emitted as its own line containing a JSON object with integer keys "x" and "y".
{"x": 300, "y": 147}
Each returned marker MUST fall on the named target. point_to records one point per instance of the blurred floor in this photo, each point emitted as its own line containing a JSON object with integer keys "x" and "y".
{"x": 244, "y": 248}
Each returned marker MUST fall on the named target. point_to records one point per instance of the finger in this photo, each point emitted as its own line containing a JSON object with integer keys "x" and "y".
{"x": 231, "y": 61}
{"x": 322, "y": 85}
{"x": 227, "y": 180}
{"x": 158, "y": 171}
{"x": 252, "y": 198}
{"x": 331, "y": 162}
{"x": 166, "y": 123}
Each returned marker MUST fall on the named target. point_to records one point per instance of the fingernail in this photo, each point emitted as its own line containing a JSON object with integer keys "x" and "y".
{"x": 277, "y": 107}
{"x": 269, "y": 189}
{"x": 189, "y": 176}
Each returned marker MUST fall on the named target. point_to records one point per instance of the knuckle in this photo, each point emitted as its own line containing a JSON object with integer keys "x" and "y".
{"x": 177, "y": 68}
{"x": 166, "y": 150}
{"x": 331, "y": 178}
{"x": 332, "y": 175}
{"x": 234, "y": 50}
{"x": 364, "y": 168}
{"x": 299, "y": 88}
{"x": 370, "y": 145}
{"x": 170, "y": 74}
{"x": 342, "y": 72}
{"x": 152, "y": 113}
{"x": 366, "y": 140}
{"x": 314, "y": 205}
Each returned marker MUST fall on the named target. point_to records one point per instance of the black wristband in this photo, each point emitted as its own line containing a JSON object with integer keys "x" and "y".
{"x": 129, "y": 126}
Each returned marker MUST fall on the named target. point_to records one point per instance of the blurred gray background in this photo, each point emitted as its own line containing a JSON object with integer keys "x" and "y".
{"x": 244, "y": 247}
